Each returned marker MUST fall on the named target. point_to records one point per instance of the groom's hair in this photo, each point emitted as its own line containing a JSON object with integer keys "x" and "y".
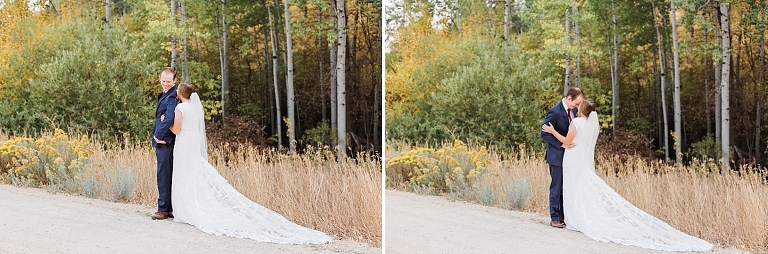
{"x": 186, "y": 89}
{"x": 573, "y": 93}
{"x": 170, "y": 70}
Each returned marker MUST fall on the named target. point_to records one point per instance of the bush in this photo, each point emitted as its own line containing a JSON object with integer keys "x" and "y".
{"x": 122, "y": 181}
{"x": 471, "y": 91}
{"x": 88, "y": 184}
{"x": 76, "y": 75}
{"x": 320, "y": 136}
{"x": 517, "y": 193}
{"x": 49, "y": 160}
{"x": 451, "y": 169}
{"x": 707, "y": 148}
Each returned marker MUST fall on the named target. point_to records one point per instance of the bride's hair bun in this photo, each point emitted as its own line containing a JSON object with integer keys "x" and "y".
{"x": 186, "y": 89}
{"x": 587, "y": 106}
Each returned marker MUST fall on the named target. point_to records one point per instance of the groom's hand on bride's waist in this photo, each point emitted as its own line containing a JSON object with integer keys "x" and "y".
{"x": 569, "y": 146}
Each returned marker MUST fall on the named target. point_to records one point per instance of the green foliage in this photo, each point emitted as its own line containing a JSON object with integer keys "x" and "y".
{"x": 208, "y": 88}
{"x": 481, "y": 97}
{"x": 602, "y": 97}
{"x": 320, "y": 136}
{"x": 707, "y": 148}
{"x": 94, "y": 82}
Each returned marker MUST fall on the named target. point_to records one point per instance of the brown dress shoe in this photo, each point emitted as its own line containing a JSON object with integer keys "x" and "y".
{"x": 161, "y": 216}
{"x": 170, "y": 216}
{"x": 557, "y": 224}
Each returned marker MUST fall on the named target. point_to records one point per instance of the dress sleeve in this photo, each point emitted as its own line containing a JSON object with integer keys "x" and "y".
{"x": 579, "y": 123}
{"x": 183, "y": 108}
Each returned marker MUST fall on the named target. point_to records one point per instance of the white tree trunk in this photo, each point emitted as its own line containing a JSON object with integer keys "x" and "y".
{"x": 663, "y": 76}
{"x": 184, "y": 70}
{"x": 333, "y": 57}
{"x": 457, "y": 15}
{"x": 289, "y": 79}
{"x": 274, "y": 79}
{"x": 224, "y": 61}
{"x": 108, "y": 9}
{"x": 174, "y": 53}
{"x": 724, "y": 93}
{"x": 506, "y": 21}
{"x": 341, "y": 21}
{"x": 577, "y": 66}
{"x": 676, "y": 95}
{"x": 718, "y": 71}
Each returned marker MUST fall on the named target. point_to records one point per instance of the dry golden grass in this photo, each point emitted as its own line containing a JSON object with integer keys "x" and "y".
{"x": 342, "y": 199}
{"x": 725, "y": 209}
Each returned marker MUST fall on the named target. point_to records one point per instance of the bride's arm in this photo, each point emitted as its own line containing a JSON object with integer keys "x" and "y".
{"x": 567, "y": 140}
{"x": 176, "y": 127}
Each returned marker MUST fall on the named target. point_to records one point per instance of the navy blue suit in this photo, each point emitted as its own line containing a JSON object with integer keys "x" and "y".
{"x": 558, "y": 117}
{"x": 164, "y": 115}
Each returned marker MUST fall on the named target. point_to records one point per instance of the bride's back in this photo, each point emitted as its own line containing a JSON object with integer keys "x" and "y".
{"x": 191, "y": 138}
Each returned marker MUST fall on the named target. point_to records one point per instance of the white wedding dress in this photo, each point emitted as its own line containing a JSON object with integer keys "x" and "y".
{"x": 203, "y": 198}
{"x": 595, "y": 209}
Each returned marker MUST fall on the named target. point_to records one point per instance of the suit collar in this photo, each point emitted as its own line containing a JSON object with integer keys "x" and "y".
{"x": 170, "y": 90}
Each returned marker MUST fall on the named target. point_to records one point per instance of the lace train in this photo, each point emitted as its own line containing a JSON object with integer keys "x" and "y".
{"x": 594, "y": 208}
{"x": 205, "y": 199}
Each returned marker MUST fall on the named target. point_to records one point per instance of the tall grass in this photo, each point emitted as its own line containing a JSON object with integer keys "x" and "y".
{"x": 340, "y": 198}
{"x": 729, "y": 209}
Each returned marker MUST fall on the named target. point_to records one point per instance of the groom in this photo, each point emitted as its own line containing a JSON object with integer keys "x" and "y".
{"x": 560, "y": 116}
{"x": 162, "y": 141}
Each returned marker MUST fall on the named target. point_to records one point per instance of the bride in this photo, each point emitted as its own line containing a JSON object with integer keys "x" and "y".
{"x": 596, "y": 210}
{"x": 203, "y": 198}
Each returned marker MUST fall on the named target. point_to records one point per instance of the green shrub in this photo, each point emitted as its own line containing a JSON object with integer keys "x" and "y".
{"x": 707, "y": 148}
{"x": 480, "y": 96}
{"x": 320, "y": 136}
{"x": 80, "y": 77}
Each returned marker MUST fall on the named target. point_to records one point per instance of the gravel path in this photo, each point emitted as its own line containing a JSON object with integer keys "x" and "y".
{"x": 432, "y": 224}
{"x": 35, "y": 221}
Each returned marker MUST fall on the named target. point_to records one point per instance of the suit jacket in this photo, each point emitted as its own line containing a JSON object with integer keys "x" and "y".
{"x": 164, "y": 115}
{"x": 558, "y": 116}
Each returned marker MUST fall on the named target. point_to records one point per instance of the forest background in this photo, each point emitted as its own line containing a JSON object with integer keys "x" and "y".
{"x": 487, "y": 71}
{"x": 93, "y": 66}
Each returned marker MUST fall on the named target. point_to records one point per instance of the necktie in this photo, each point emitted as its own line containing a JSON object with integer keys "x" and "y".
{"x": 569, "y": 116}
{"x": 165, "y": 92}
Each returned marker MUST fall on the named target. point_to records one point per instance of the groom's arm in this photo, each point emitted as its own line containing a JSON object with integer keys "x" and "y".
{"x": 551, "y": 139}
{"x": 165, "y": 125}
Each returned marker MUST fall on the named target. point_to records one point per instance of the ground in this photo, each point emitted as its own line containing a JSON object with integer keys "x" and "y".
{"x": 35, "y": 221}
{"x": 433, "y": 224}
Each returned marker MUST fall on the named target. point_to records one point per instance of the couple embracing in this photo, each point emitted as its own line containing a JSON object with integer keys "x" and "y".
{"x": 580, "y": 200}
{"x": 201, "y": 197}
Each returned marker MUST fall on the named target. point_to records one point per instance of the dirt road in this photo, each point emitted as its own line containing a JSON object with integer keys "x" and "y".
{"x": 431, "y": 224}
{"x": 34, "y": 221}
